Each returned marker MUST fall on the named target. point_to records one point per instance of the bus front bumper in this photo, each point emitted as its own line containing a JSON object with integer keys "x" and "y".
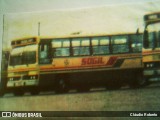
{"x": 151, "y": 72}
{"x": 22, "y": 83}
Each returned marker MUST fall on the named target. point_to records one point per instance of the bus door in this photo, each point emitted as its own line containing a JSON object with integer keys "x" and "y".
{"x": 45, "y": 56}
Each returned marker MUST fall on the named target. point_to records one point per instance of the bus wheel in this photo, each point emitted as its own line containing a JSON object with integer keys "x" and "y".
{"x": 18, "y": 92}
{"x": 1, "y": 93}
{"x": 34, "y": 92}
{"x": 83, "y": 88}
{"x": 62, "y": 85}
{"x": 137, "y": 82}
{"x": 113, "y": 85}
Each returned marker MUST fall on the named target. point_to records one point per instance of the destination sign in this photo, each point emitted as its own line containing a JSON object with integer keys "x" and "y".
{"x": 23, "y": 41}
{"x": 154, "y": 16}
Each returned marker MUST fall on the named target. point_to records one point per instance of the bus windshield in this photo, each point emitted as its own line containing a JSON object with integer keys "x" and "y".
{"x": 23, "y": 55}
{"x": 153, "y": 35}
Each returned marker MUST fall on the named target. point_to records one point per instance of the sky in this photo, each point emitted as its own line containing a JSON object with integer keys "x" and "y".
{"x": 40, "y": 5}
{"x": 21, "y": 6}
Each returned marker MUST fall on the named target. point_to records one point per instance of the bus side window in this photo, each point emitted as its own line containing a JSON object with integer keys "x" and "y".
{"x": 120, "y": 44}
{"x": 158, "y": 39}
{"x": 100, "y": 45}
{"x": 136, "y": 43}
{"x": 61, "y": 47}
{"x": 81, "y": 46}
{"x": 152, "y": 39}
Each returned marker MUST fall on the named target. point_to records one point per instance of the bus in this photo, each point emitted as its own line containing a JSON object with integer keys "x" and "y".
{"x": 151, "y": 46}
{"x": 74, "y": 62}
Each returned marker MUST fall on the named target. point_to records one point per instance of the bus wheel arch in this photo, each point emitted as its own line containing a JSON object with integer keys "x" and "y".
{"x": 137, "y": 81}
{"x": 62, "y": 84}
{"x": 18, "y": 92}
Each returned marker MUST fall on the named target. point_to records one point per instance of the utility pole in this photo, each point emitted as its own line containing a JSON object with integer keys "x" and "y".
{"x": 39, "y": 25}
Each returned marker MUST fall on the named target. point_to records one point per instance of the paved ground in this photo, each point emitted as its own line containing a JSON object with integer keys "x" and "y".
{"x": 143, "y": 99}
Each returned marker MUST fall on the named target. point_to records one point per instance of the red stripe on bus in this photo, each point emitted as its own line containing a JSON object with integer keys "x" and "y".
{"x": 111, "y": 60}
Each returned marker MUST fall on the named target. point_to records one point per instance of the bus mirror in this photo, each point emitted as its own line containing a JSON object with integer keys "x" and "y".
{"x": 145, "y": 39}
{"x": 137, "y": 32}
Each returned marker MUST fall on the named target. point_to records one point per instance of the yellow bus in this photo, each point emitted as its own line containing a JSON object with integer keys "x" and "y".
{"x": 151, "y": 46}
{"x": 74, "y": 62}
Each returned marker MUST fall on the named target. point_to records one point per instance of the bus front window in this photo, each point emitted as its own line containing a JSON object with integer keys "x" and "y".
{"x": 15, "y": 60}
{"x": 23, "y": 55}
{"x": 29, "y": 57}
{"x": 152, "y": 36}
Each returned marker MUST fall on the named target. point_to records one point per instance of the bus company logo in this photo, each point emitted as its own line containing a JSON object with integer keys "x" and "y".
{"x": 6, "y": 114}
{"x": 92, "y": 61}
{"x": 66, "y": 62}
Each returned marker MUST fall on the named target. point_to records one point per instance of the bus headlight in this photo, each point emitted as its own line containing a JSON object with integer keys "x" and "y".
{"x": 34, "y": 77}
{"x": 149, "y": 65}
{"x": 10, "y": 79}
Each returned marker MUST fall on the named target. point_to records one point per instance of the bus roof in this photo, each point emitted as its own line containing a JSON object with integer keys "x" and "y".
{"x": 73, "y": 36}
{"x": 152, "y": 17}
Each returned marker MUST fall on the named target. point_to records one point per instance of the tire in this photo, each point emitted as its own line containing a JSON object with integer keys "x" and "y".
{"x": 1, "y": 93}
{"x": 138, "y": 82}
{"x": 34, "y": 92}
{"x": 83, "y": 89}
{"x": 113, "y": 85}
{"x": 18, "y": 93}
{"x": 62, "y": 85}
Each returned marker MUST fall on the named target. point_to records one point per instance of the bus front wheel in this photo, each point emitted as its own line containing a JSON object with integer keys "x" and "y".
{"x": 1, "y": 93}
{"x": 34, "y": 91}
{"x": 138, "y": 81}
{"x": 18, "y": 92}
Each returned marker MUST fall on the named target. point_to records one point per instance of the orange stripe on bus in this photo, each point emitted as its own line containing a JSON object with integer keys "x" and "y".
{"x": 22, "y": 69}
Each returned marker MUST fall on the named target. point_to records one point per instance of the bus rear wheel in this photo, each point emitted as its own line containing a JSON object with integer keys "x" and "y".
{"x": 18, "y": 92}
{"x": 62, "y": 85}
{"x": 34, "y": 91}
{"x": 82, "y": 88}
{"x": 114, "y": 85}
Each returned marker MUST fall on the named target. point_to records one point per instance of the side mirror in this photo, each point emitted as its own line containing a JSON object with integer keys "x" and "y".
{"x": 137, "y": 32}
{"x": 145, "y": 39}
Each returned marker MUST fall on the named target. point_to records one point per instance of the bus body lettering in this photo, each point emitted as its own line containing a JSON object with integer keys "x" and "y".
{"x": 92, "y": 61}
